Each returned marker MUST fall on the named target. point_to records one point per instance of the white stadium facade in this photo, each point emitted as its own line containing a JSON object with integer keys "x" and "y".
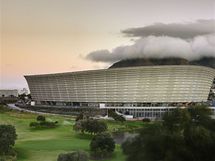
{"x": 143, "y": 92}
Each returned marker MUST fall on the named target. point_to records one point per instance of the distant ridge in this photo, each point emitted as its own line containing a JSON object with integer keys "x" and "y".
{"x": 204, "y": 61}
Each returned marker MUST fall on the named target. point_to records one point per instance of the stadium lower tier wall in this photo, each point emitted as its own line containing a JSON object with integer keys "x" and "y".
{"x": 136, "y": 110}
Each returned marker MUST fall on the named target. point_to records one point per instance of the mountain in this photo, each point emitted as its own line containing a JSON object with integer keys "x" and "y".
{"x": 205, "y": 61}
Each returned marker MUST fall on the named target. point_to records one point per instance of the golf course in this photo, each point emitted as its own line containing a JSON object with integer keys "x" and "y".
{"x": 45, "y": 144}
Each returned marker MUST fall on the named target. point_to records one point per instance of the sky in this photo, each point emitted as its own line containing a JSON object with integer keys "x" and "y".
{"x": 51, "y": 36}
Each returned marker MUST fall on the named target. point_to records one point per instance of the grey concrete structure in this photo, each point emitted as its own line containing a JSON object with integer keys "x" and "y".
{"x": 148, "y": 86}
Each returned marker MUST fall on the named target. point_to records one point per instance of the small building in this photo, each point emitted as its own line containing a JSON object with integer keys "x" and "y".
{"x": 8, "y": 93}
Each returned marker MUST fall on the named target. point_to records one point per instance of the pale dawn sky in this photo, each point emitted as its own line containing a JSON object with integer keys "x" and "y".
{"x": 50, "y": 36}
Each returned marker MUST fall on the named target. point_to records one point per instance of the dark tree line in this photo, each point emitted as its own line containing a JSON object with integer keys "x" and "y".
{"x": 184, "y": 135}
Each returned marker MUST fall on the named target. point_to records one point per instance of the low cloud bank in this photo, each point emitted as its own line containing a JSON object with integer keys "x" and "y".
{"x": 159, "y": 47}
{"x": 190, "y": 41}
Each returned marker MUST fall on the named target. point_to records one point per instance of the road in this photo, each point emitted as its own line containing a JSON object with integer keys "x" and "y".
{"x": 12, "y": 106}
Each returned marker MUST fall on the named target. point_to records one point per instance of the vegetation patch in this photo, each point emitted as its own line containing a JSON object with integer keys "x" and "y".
{"x": 102, "y": 146}
{"x": 115, "y": 116}
{"x": 3, "y": 108}
{"x": 46, "y": 145}
{"x": 7, "y": 141}
{"x": 74, "y": 156}
{"x": 42, "y": 123}
{"x": 185, "y": 134}
{"x": 90, "y": 126}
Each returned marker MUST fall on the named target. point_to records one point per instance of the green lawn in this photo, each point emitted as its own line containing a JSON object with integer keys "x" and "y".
{"x": 46, "y": 144}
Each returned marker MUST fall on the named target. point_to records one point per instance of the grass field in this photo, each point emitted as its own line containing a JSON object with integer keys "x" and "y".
{"x": 46, "y": 144}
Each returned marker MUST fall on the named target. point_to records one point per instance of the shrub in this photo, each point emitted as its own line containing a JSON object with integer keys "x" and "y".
{"x": 3, "y": 108}
{"x": 11, "y": 156}
{"x": 7, "y": 138}
{"x": 146, "y": 120}
{"x": 41, "y": 118}
{"x": 2, "y": 159}
{"x": 74, "y": 156}
{"x": 34, "y": 124}
{"x": 42, "y": 123}
{"x": 78, "y": 126}
{"x": 102, "y": 145}
{"x": 47, "y": 124}
{"x": 119, "y": 118}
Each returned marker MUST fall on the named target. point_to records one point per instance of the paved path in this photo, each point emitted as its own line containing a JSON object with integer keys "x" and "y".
{"x": 12, "y": 106}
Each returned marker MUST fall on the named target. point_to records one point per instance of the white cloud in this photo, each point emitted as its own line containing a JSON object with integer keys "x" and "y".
{"x": 159, "y": 47}
{"x": 185, "y": 40}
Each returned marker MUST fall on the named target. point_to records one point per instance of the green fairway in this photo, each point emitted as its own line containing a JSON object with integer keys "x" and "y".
{"x": 46, "y": 144}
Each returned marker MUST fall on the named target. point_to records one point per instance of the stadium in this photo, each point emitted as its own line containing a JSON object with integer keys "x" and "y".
{"x": 137, "y": 92}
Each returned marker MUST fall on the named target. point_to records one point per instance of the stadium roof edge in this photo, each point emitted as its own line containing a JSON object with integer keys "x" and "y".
{"x": 124, "y": 68}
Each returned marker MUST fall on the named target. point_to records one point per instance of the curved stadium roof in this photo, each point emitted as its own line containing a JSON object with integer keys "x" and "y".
{"x": 184, "y": 83}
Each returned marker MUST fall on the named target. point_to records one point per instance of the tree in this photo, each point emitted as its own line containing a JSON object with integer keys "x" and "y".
{"x": 102, "y": 145}
{"x": 22, "y": 96}
{"x": 80, "y": 117}
{"x": 176, "y": 120}
{"x": 90, "y": 125}
{"x": 184, "y": 135}
{"x": 115, "y": 116}
{"x": 74, "y": 156}
{"x": 41, "y": 118}
{"x": 202, "y": 116}
{"x": 95, "y": 126}
{"x": 7, "y": 138}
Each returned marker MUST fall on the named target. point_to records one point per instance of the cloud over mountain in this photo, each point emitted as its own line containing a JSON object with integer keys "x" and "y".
{"x": 159, "y": 47}
{"x": 190, "y": 41}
